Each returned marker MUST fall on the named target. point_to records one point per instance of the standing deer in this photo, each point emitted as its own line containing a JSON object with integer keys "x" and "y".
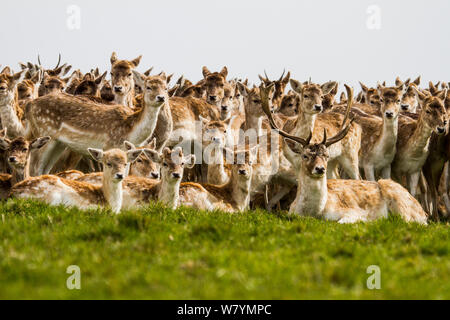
{"x": 414, "y": 138}
{"x": 10, "y": 111}
{"x": 79, "y": 123}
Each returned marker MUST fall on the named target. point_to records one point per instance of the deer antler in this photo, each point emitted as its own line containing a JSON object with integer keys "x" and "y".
{"x": 345, "y": 127}
{"x": 282, "y": 75}
{"x": 264, "y": 92}
{"x": 59, "y": 61}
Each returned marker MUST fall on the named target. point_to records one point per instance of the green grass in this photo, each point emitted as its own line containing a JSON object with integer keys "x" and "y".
{"x": 184, "y": 254}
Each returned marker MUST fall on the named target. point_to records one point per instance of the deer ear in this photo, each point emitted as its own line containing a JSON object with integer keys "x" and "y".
{"x": 417, "y": 81}
{"x": 286, "y": 79}
{"x": 129, "y": 146}
{"x": 36, "y": 78}
{"x": 328, "y": 87}
{"x": 203, "y": 120}
{"x": 224, "y": 72}
{"x": 398, "y": 81}
{"x": 4, "y": 143}
{"x": 6, "y": 70}
{"x": 296, "y": 85}
{"x": 363, "y": 87}
{"x": 135, "y": 62}
{"x": 113, "y": 58}
{"x": 152, "y": 155}
{"x": 152, "y": 144}
{"x": 97, "y": 154}
{"x": 205, "y": 72}
{"x": 100, "y": 79}
{"x": 242, "y": 89}
{"x": 189, "y": 161}
{"x": 19, "y": 76}
{"x": 139, "y": 79}
{"x": 420, "y": 95}
{"x": 39, "y": 142}
{"x": 442, "y": 94}
{"x": 132, "y": 155}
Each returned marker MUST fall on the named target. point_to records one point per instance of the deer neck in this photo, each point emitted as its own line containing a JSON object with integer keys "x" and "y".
{"x": 216, "y": 170}
{"x": 125, "y": 99}
{"x": 112, "y": 192}
{"x": 388, "y": 137}
{"x": 419, "y": 141}
{"x": 240, "y": 191}
{"x": 253, "y": 122}
{"x": 169, "y": 193}
{"x": 305, "y": 124}
{"x": 8, "y": 114}
{"x": 311, "y": 195}
{"x": 143, "y": 122}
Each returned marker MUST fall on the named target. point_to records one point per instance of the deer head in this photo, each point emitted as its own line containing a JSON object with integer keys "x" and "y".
{"x": 371, "y": 96}
{"x": 8, "y": 84}
{"x": 122, "y": 76}
{"x": 311, "y": 95}
{"x": 433, "y": 111}
{"x": 289, "y": 104}
{"x": 280, "y": 86}
{"x": 90, "y": 86}
{"x": 154, "y": 88}
{"x": 172, "y": 163}
{"x": 214, "y": 85}
{"x": 391, "y": 99}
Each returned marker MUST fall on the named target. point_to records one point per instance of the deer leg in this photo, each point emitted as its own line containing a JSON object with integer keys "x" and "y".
{"x": 50, "y": 156}
{"x": 277, "y": 198}
{"x": 350, "y": 166}
{"x": 386, "y": 172}
{"x": 331, "y": 170}
{"x": 413, "y": 181}
{"x": 446, "y": 183}
{"x": 369, "y": 172}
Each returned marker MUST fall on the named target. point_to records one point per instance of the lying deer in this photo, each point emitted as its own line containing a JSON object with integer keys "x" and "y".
{"x": 344, "y": 201}
{"x": 59, "y": 191}
{"x": 17, "y": 153}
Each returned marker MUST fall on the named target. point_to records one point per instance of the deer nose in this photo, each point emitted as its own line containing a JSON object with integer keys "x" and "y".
{"x": 440, "y": 130}
{"x": 224, "y": 108}
{"x": 320, "y": 170}
{"x": 389, "y": 114}
{"x": 405, "y": 107}
{"x": 12, "y": 159}
{"x": 2, "y": 88}
{"x": 212, "y": 98}
{"x": 155, "y": 175}
{"x": 176, "y": 175}
{"x": 119, "y": 176}
{"x": 318, "y": 107}
{"x": 160, "y": 98}
{"x": 118, "y": 89}
{"x": 242, "y": 172}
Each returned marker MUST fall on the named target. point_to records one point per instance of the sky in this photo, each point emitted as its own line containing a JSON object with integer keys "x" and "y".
{"x": 347, "y": 41}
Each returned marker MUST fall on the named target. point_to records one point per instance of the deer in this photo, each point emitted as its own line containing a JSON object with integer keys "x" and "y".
{"x": 414, "y": 138}
{"x": 214, "y": 83}
{"x": 379, "y": 136}
{"x": 233, "y": 196}
{"x": 409, "y": 100}
{"x": 311, "y": 119}
{"x": 90, "y": 86}
{"x": 55, "y": 191}
{"x": 79, "y": 123}
{"x": 10, "y": 111}
{"x": 28, "y": 88}
{"x": 122, "y": 80}
{"x": 17, "y": 153}
{"x": 344, "y": 201}
{"x": 140, "y": 191}
{"x": 280, "y": 86}
{"x": 289, "y": 104}
{"x": 142, "y": 167}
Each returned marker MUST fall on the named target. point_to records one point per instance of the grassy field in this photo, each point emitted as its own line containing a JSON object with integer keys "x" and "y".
{"x": 162, "y": 254}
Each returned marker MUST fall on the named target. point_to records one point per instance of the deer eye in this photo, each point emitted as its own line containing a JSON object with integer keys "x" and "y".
{"x": 149, "y": 88}
{"x": 109, "y": 165}
{"x": 24, "y": 150}
{"x": 428, "y": 111}
{"x": 130, "y": 74}
{"x": 291, "y": 104}
{"x": 398, "y": 101}
{"x": 165, "y": 164}
{"x": 139, "y": 160}
{"x": 305, "y": 157}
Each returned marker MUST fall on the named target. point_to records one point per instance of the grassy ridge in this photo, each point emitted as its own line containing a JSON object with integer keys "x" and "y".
{"x": 163, "y": 254}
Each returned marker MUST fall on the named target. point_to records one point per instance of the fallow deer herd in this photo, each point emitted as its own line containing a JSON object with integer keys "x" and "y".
{"x": 220, "y": 144}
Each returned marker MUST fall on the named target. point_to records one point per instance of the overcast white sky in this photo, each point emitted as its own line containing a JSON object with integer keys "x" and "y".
{"x": 325, "y": 39}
